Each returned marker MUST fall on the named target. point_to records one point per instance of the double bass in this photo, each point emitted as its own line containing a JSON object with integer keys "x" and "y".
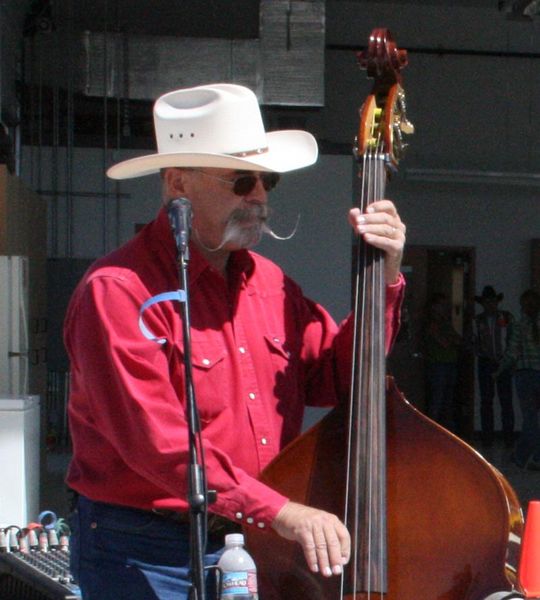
{"x": 429, "y": 517}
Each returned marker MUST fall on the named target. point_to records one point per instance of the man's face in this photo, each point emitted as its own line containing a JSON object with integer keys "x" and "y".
{"x": 490, "y": 305}
{"x": 221, "y": 217}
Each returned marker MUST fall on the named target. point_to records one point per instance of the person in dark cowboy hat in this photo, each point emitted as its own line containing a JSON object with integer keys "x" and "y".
{"x": 261, "y": 351}
{"x": 492, "y": 327}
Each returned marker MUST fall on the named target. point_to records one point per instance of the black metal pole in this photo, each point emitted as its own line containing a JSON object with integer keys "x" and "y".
{"x": 180, "y": 219}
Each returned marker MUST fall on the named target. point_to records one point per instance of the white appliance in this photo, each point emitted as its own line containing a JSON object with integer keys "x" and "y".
{"x": 13, "y": 325}
{"x": 19, "y": 460}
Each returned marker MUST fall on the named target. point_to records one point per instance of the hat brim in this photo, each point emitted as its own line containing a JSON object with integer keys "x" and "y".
{"x": 287, "y": 150}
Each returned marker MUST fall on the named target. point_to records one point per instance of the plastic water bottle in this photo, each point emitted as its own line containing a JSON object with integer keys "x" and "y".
{"x": 239, "y": 574}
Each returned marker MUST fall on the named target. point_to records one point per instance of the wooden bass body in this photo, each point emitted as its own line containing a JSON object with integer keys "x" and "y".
{"x": 454, "y": 523}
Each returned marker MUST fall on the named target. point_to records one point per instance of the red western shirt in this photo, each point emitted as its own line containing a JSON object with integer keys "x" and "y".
{"x": 261, "y": 351}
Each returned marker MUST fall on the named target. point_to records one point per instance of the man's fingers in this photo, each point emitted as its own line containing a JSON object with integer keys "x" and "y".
{"x": 333, "y": 553}
{"x": 321, "y": 553}
{"x": 324, "y": 538}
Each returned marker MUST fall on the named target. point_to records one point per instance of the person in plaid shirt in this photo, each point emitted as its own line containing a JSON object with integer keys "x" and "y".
{"x": 523, "y": 354}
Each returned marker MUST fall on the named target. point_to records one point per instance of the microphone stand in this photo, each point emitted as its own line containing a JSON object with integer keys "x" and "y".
{"x": 198, "y": 496}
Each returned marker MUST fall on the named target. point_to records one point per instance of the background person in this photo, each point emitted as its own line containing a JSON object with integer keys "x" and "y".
{"x": 523, "y": 354}
{"x": 491, "y": 332}
{"x": 442, "y": 345}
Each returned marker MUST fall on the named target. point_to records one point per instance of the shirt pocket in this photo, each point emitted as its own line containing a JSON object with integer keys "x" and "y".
{"x": 285, "y": 365}
{"x": 211, "y": 378}
{"x": 287, "y": 383}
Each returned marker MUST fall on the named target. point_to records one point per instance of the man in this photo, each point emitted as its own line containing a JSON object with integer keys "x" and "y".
{"x": 523, "y": 356}
{"x": 492, "y": 327}
{"x": 442, "y": 345}
{"x": 260, "y": 352}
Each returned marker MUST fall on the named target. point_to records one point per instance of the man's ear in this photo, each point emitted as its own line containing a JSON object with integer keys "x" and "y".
{"x": 174, "y": 180}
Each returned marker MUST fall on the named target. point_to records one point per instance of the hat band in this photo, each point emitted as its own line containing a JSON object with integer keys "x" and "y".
{"x": 250, "y": 152}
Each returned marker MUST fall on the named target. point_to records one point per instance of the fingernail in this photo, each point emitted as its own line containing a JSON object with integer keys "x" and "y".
{"x": 370, "y": 209}
{"x": 327, "y": 571}
{"x": 315, "y": 568}
{"x": 337, "y": 570}
{"x": 361, "y": 219}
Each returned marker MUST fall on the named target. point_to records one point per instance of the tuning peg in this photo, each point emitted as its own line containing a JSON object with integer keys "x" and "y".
{"x": 406, "y": 126}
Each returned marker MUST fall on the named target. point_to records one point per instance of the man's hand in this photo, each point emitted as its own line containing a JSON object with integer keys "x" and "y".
{"x": 382, "y": 227}
{"x": 323, "y": 537}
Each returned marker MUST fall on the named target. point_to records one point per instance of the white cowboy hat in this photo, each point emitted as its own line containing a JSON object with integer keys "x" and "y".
{"x": 218, "y": 125}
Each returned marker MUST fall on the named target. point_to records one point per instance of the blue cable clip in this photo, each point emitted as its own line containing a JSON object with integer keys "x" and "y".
{"x": 178, "y": 296}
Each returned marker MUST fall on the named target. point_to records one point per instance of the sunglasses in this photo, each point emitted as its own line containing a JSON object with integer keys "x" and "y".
{"x": 245, "y": 184}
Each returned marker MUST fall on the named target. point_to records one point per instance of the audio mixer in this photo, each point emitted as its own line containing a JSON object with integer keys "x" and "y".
{"x": 34, "y": 565}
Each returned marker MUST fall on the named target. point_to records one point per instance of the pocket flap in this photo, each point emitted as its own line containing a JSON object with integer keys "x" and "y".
{"x": 276, "y": 343}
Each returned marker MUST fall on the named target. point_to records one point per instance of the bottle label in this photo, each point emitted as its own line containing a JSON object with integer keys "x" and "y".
{"x": 239, "y": 583}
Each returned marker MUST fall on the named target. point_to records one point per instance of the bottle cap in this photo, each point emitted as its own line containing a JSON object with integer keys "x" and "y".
{"x": 234, "y": 538}
{"x": 529, "y": 564}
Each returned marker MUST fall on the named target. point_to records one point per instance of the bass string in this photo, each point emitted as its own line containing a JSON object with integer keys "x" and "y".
{"x": 368, "y": 461}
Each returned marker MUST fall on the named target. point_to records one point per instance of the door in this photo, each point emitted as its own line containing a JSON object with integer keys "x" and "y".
{"x": 14, "y": 325}
{"x": 429, "y": 270}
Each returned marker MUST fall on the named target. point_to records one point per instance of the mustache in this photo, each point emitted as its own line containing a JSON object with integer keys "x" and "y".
{"x": 257, "y": 212}
{"x": 256, "y": 217}
{"x": 261, "y": 213}
{"x": 269, "y": 231}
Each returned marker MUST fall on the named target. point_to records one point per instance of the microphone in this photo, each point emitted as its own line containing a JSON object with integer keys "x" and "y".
{"x": 180, "y": 214}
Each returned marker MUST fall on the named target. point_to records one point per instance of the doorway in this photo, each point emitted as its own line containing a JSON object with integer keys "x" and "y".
{"x": 430, "y": 270}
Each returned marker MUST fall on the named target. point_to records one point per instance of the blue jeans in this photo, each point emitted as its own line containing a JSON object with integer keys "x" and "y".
{"x": 528, "y": 391}
{"x": 120, "y": 553}
{"x": 441, "y": 379}
{"x": 487, "y": 385}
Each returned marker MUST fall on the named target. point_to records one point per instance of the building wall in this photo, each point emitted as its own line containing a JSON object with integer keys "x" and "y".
{"x": 470, "y": 176}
